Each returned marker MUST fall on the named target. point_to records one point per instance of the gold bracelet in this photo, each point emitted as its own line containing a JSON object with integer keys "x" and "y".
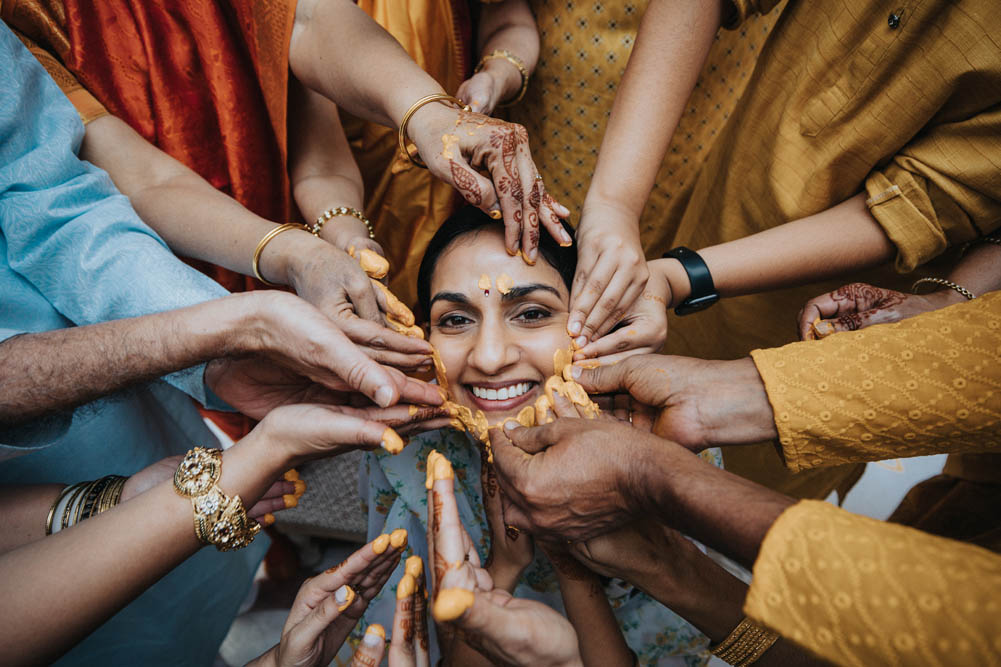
{"x": 342, "y": 210}
{"x": 267, "y": 239}
{"x": 220, "y": 520}
{"x": 514, "y": 60}
{"x": 427, "y": 99}
{"x": 52, "y": 511}
{"x": 945, "y": 283}
{"x": 745, "y": 644}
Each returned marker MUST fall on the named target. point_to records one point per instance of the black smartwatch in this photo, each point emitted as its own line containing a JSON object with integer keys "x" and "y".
{"x": 704, "y": 293}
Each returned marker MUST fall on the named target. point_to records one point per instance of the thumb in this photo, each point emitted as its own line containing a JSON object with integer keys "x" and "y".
{"x": 603, "y": 379}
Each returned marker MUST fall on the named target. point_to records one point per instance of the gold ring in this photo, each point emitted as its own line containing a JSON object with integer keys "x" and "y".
{"x": 512, "y": 531}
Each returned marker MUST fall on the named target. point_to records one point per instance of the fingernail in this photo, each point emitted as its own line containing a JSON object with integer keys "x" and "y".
{"x": 290, "y": 501}
{"x": 344, "y": 596}
{"x": 380, "y": 544}
{"x": 300, "y": 487}
{"x": 511, "y": 252}
{"x": 565, "y": 239}
{"x": 510, "y": 425}
{"x": 406, "y": 587}
{"x": 576, "y": 371}
{"x": 580, "y": 341}
{"x": 574, "y": 327}
{"x": 374, "y": 635}
{"x": 533, "y": 253}
{"x": 384, "y": 397}
{"x": 564, "y": 210}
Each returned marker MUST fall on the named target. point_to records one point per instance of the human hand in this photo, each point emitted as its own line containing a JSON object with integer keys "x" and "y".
{"x": 642, "y": 330}
{"x": 482, "y": 91}
{"x": 698, "y": 403}
{"x": 290, "y": 332}
{"x": 329, "y": 605}
{"x": 511, "y": 551}
{"x": 858, "y": 305}
{"x": 409, "y": 645}
{"x": 455, "y": 143}
{"x": 611, "y": 272}
{"x": 508, "y": 630}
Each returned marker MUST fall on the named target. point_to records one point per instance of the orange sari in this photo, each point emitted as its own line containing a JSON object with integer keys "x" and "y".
{"x": 205, "y": 81}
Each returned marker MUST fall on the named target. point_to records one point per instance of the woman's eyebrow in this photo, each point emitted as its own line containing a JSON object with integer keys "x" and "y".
{"x": 455, "y": 297}
{"x": 524, "y": 290}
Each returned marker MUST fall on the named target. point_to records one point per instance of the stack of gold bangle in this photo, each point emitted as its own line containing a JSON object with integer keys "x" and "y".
{"x": 82, "y": 501}
{"x": 220, "y": 520}
{"x": 745, "y": 644}
{"x": 514, "y": 60}
{"x": 341, "y": 210}
{"x": 401, "y": 137}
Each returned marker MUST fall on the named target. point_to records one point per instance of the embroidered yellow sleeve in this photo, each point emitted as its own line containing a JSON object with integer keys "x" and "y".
{"x": 925, "y": 385}
{"x": 857, "y": 591}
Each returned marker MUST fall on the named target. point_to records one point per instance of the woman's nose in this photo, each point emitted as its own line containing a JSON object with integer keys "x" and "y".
{"x": 492, "y": 350}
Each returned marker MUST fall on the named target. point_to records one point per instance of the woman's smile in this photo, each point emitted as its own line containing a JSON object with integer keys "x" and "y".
{"x": 501, "y": 396}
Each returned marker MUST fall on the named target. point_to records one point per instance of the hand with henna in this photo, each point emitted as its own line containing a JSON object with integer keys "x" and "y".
{"x": 457, "y": 144}
{"x": 505, "y": 629}
{"x": 611, "y": 273}
{"x": 329, "y": 605}
{"x": 859, "y": 305}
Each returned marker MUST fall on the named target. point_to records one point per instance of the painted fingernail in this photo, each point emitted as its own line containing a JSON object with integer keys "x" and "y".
{"x": 398, "y": 538}
{"x": 300, "y": 487}
{"x": 344, "y": 596}
{"x": 268, "y": 519}
{"x": 405, "y": 588}
{"x": 574, "y": 327}
{"x": 513, "y": 253}
{"x": 290, "y": 501}
{"x": 580, "y": 341}
{"x": 392, "y": 442}
{"x": 380, "y": 544}
{"x": 576, "y": 371}
{"x": 565, "y": 239}
{"x": 374, "y": 635}
{"x": 384, "y": 397}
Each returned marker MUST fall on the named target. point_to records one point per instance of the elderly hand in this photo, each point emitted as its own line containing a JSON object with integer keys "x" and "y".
{"x": 485, "y": 89}
{"x": 329, "y": 605}
{"x": 508, "y": 630}
{"x": 611, "y": 272}
{"x": 455, "y": 143}
{"x": 699, "y": 403}
{"x": 858, "y": 305}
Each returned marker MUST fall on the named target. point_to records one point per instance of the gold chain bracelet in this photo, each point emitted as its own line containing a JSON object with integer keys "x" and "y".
{"x": 342, "y": 210}
{"x": 220, "y": 520}
{"x": 427, "y": 99}
{"x": 945, "y": 283}
{"x": 256, "y": 264}
{"x": 514, "y": 60}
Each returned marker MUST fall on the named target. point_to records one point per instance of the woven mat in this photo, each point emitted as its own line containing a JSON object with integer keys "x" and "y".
{"x": 331, "y": 506}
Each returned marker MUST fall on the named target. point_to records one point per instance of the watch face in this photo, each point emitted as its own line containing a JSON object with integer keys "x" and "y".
{"x": 690, "y": 306}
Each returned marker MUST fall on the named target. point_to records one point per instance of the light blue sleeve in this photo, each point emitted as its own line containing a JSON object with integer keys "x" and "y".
{"x": 69, "y": 232}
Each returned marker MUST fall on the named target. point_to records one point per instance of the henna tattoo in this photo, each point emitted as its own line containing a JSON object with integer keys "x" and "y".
{"x": 867, "y": 297}
{"x": 535, "y": 197}
{"x": 466, "y": 183}
{"x": 407, "y": 607}
{"x": 850, "y": 322}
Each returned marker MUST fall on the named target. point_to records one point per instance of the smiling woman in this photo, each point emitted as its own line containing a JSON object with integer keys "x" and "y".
{"x": 496, "y": 322}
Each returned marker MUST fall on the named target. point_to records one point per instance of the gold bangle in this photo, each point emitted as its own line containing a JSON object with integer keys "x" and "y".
{"x": 264, "y": 241}
{"x": 427, "y": 99}
{"x": 945, "y": 283}
{"x": 341, "y": 210}
{"x": 52, "y": 511}
{"x": 514, "y": 60}
{"x": 219, "y": 519}
{"x": 745, "y": 644}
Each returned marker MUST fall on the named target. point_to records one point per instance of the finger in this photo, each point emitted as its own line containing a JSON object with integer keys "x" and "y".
{"x": 363, "y": 296}
{"x": 531, "y": 198}
{"x": 585, "y": 295}
{"x": 550, "y": 220}
{"x": 640, "y": 335}
{"x": 338, "y": 429}
{"x": 371, "y": 648}
{"x": 536, "y": 439}
{"x": 449, "y": 543}
{"x": 562, "y": 405}
{"x": 279, "y": 489}
{"x": 619, "y": 357}
{"x": 417, "y": 391}
{"x": 352, "y": 366}
{"x": 610, "y": 307}
{"x": 475, "y": 189}
{"x": 627, "y": 302}
{"x": 621, "y": 406}
{"x": 266, "y": 506}
{"x": 392, "y": 304}
{"x": 378, "y": 337}
{"x": 408, "y": 363}
{"x": 401, "y": 647}
{"x": 303, "y": 637}
{"x": 607, "y": 378}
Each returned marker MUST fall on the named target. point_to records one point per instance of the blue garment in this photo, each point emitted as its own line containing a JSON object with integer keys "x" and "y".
{"x": 74, "y": 252}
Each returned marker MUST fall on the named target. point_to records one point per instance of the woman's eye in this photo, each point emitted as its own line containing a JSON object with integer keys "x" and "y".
{"x": 533, "y": 315}
{"x": 453, "y": 322}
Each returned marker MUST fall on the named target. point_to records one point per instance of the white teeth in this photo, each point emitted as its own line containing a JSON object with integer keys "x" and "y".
{"x": 502, "y": 394}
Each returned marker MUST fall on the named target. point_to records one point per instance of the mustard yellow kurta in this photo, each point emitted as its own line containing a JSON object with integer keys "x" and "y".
{"x": 925, "y": 385}
{"x": 861, "y": 592}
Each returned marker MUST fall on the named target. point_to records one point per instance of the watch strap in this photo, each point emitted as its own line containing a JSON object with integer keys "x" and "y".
{"x": 703, "y": 291}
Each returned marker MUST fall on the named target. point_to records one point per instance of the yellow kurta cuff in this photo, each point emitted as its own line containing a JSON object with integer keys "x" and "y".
{"x": 736, "y": 12}
{"x": 928, "y": 384}
{"x": 857, "y": 591}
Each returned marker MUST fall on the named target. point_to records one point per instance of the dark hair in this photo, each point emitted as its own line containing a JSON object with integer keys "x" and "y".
{"x": 468, "y": 220}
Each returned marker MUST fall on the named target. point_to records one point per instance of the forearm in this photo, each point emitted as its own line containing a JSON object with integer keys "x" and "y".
{"x": 671, "y": 48}
{"x": 322, "y": 169}
{"x": 980, "y": 269}
{"x": 59, "y": 589}
{"x": 840, "y": 240}
{"x": 379, "y": 87}
{"x": 23, "y": 510}
{"x": 509, "y": 26}
{"x": 598, "y": 635}
{"x": 46, "y": 372}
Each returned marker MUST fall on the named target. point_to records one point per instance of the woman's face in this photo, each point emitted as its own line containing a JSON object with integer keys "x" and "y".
{"x": 497, "y": 348}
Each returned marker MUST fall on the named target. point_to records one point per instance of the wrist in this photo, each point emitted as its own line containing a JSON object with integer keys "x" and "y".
{"x": 600, "y": 212}
{"x": 432, "y": 115}
{"x": 281, "y": 252}
{"x": 734, "y": 404}
{"x": 504, "y": 575}
{"x": 506, "y": 75}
